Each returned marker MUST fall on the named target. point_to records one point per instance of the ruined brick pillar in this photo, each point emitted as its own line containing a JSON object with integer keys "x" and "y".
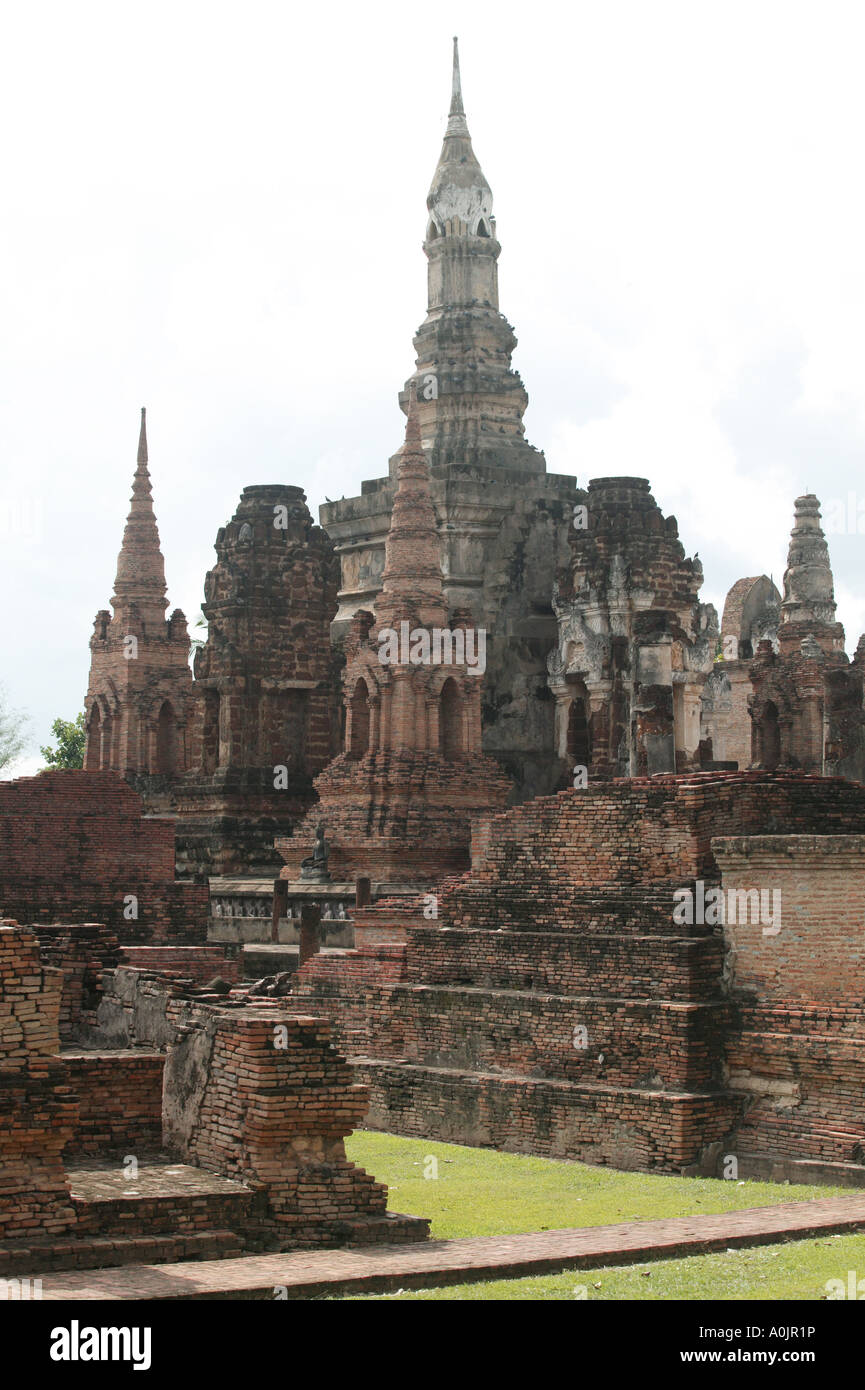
{"x": 38, "y": 1110}
{"x": 280, "y": 906}
{"x": 274, "y": 1103}
{"x": 310, "y": 932}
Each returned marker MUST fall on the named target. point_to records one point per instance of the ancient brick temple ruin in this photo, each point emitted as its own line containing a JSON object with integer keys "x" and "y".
{"x": 592, "y": 859}
{"x": 751, "y": 614}
{"x": 139, "y": 698}
{"x": 168, "y": 1126}
{"x": 149, "y": 1113}
{"x": 398, "y": 802}
{"x": 635, "y": 645}
{"x": 502, "y": 518}
{"x": 582, "y": 994}
{"x": 807, "y": 706}
{"x": 598, "y": 652}
{"x": 266, "y": 717}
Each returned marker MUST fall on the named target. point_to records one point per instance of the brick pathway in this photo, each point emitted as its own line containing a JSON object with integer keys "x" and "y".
{"x": 309, "y": 1274}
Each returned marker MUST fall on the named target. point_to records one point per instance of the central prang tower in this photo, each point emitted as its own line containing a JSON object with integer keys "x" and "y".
{"x": 502, "y": 520}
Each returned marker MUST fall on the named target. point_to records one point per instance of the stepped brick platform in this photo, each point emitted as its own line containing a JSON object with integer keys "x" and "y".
{"x": 556, "y": 1005}
{"x": 331, "y": 1273}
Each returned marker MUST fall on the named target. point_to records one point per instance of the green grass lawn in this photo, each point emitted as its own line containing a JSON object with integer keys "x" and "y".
{"x": 479, "y": 1192}
{"x": 797, "y": 1270}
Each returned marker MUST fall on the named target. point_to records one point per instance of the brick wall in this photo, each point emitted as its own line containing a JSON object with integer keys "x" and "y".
{"x": 469, "y": 1028}
{"x": 75, "y": 847}
{"x": 38, "y": 1110}
{"x": 81, "y": 952}
{"x": 795, "y": 1052}
{"x": 120, "y": 1102}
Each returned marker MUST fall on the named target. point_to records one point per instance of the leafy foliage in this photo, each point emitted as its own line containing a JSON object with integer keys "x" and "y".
{"x": 71, "y": 737}
{"x": 13, "y": 733}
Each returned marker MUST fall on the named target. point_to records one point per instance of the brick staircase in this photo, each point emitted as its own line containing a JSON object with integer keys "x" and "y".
{"x": 168, "y": 1212}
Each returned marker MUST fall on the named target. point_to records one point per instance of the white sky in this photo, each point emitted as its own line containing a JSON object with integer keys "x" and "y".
{"x": 217, "y": 212}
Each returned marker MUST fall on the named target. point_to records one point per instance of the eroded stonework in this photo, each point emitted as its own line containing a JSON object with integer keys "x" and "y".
{"x": 635, "y": 645}
{"x": 502, "y": 519}
{"x": 266, "y": 717}
{"x": 808, "y": 702}
{"x": 138, "y": 707}
{"x": 397, "y": 804}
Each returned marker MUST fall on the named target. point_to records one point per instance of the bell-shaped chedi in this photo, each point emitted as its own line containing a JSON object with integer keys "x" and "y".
{"x": 397, "y": 804}
{"x": 139, "y": 695}
{"x": 808, "y": 704}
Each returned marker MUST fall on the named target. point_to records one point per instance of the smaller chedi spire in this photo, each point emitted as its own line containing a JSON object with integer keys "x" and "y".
{"x": 140, "y": 578}
{"x": 412, "y": 576}
{"x": 809, "y": 593}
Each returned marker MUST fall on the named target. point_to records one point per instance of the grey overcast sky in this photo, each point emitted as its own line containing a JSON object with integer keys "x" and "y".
{"x": 217, "y": 211}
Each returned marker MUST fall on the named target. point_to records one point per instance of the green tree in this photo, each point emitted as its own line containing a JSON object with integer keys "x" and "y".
{"x": 13, "y": 735}
{"x": 70, "y": 738}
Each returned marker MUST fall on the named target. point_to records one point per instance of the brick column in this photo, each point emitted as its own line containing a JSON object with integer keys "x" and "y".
{"x": 310, "y": 932}
{"x": 280, "y": 906}
{"x": 38, "y": 1110}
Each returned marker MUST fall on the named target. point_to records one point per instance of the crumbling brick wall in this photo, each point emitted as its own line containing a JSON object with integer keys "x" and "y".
{"x": 81, "y": 953}
{"x": 75, "y": 847}
{"x": 119, "y": 1102}
{"x": 795, "y": 1051}
{"x": 262, "y": 1097}
{"x": 38, "y": 1110}
{"x": 196, "y": 963}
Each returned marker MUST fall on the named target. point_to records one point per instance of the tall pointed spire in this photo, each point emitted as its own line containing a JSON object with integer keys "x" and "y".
{"x": 473, "y": 416}
{"x": 142, "y": 437}
{"x": 412, "y": 579}
{"x": 140, "y": 576}
{"x": 460, "y": 200}
{"x": 457, "y": 108}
